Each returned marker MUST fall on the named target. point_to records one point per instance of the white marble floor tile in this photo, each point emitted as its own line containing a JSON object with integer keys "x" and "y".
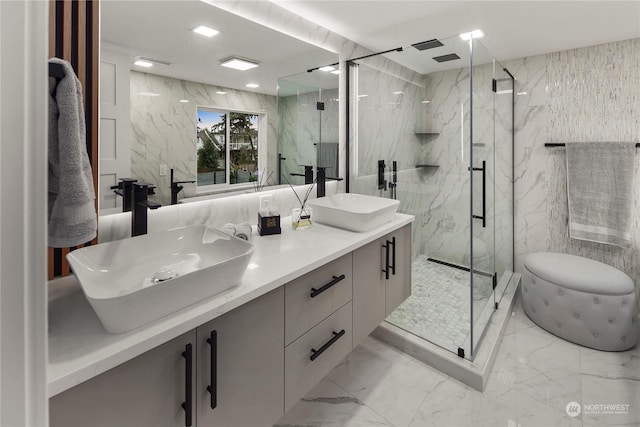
{"x": 391, "y": 383}
{"x": 327, "y": 404}
{"x": 599, "y": 392}
{"x": 519, "y": 319}
{"x": 547, "y": 368}
{"x": 452, "y": 404}
{"x": 610, "y": 378}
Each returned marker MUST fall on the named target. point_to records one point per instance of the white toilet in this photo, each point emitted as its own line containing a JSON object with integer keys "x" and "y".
{"x": 581, "y": 300}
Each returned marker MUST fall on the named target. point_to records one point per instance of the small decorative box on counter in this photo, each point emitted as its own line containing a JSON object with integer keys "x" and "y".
{"x": 269, "y": 225}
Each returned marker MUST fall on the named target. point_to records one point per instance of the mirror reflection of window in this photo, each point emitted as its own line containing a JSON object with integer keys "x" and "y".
{"x": 220, "y": 163}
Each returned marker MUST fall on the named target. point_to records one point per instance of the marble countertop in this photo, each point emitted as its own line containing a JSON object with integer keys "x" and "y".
{"x": 80, "y": 348}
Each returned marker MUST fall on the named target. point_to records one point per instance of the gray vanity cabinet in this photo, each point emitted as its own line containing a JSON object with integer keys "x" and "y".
{"x": 145, "y": 391}
{"x": 381, "y": 280}
{"x": 398, "y": 286}
{"x": 248, "y": 354}
{"x": 248, "y": 346}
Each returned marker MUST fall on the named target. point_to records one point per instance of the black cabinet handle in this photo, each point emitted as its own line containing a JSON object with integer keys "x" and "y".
{"x": 386, "y": 268}
{"x": 315, "y": 292}
{"x": 393, "y": 256}
{"x": 187, "y": 405}
{"x": 336, "y": 336}
{"x": 213, "y": 387}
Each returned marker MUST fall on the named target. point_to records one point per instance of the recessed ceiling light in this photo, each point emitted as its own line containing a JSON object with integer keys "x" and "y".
{"x": 326, "y": 68}
{"x": 184, "y": 100}
{"x": 141, "y": 63}
{"x": 475, "y": 34}
{"x": 237, "y": 63}
{"x": 252, "y": 85}
{"x": 425, "y": 101}
{"x": 398, "y": 92}
{"x": 335, "y": 72}
{"x": 205, "y": 31}
{"x": 221, "y": 92}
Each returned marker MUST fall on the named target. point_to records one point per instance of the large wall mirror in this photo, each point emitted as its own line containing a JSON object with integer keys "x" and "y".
{"x": 170, "y": 109}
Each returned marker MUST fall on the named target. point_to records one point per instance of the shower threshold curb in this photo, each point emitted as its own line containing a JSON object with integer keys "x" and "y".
{"x": 474, "y": 373}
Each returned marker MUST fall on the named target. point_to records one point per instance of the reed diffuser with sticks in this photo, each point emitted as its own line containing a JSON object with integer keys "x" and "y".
{"x": 301, "y": 217}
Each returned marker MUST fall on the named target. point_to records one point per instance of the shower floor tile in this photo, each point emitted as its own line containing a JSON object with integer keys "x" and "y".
{"x": 438, "y": 309}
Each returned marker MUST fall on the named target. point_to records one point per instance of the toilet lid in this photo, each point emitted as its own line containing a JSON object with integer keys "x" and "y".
{"x": 578, "y": 273}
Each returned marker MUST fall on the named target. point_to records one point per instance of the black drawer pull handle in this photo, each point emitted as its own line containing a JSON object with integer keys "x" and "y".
{"x": 315, "y": 292}
{"x": 387, "y": 267}
{"x": 213, "y": 387}
{"x": 336, "y": 336}
{"x": 187, "y": 405}
{"x": 393, "y": 256}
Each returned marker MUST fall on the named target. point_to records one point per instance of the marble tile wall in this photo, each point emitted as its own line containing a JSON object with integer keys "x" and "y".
{"x": 388, "y": 111}
{"x": 164, "y": 129}
{"x": 586, "y": 94}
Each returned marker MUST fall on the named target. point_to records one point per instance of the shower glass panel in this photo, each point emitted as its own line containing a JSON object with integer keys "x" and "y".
{"x": 449, "y": 136}
{"x": 482, "y": 179}
{"x": 421, "y": 121}
{"x": 308, "y": 125}
{"x": 503, "y": 141}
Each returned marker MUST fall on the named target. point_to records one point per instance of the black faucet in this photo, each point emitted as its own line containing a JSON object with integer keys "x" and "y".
{"x": 176, "y": 188}
{"x": 141, "y": 191}
{"x": 124, "y": 189}
{"x": 320, "y": 181}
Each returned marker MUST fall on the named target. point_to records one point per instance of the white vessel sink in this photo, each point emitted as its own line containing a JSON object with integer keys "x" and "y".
{"x": 355, "y": 212}
{"x": 134, "y": 281}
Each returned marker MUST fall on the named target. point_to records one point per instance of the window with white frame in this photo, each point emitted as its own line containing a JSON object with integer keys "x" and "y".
{"x": 227, "y": 147}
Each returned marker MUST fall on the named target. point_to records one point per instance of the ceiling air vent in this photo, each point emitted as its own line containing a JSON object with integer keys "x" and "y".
{"x": 429, "y": 44}
{"x": 445, "y": 58}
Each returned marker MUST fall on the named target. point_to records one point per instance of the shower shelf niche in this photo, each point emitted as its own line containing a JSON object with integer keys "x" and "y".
{"x": 427, "y": 166}
{"x": 427, "y": 133}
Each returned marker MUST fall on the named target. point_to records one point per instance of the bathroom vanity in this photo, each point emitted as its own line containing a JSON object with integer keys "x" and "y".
{"x": 242, "y": 357}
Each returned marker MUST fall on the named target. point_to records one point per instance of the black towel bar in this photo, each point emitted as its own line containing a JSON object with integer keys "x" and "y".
{"x": 560, "y": 144}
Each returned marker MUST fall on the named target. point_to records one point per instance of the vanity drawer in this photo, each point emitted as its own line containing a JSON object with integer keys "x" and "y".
{"x": 331, "y": 340}
{"x": 305, "y": 308}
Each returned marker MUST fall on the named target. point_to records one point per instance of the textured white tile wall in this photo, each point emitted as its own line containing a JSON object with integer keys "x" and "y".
{"x": 587, "y": 94}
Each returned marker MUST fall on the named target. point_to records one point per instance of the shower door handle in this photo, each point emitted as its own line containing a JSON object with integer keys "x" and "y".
{"x": 483, "y": 217}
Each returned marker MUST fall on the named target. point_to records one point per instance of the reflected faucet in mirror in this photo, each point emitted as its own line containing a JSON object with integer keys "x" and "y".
{"x": 308, "y": 174}
{"x": 176, "y": 188}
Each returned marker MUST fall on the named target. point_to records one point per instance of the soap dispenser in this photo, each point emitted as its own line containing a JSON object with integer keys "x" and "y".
{"x": 268, "y": 217}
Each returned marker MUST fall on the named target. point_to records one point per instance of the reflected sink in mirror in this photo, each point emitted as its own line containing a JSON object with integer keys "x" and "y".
{"x": 355, "y": 212}
{"x": 134, "y": 281}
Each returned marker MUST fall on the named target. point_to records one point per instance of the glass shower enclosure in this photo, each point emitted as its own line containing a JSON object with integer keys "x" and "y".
{"x": 308, "y": 111}
{"x": 432, "y": 125}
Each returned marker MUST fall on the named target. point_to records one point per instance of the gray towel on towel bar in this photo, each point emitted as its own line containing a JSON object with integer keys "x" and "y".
{"x": 600, "y": 191}
{"x": 72, "y": 214}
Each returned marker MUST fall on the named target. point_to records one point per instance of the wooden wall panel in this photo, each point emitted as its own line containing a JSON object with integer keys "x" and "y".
{"x": 74, "y": 36}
